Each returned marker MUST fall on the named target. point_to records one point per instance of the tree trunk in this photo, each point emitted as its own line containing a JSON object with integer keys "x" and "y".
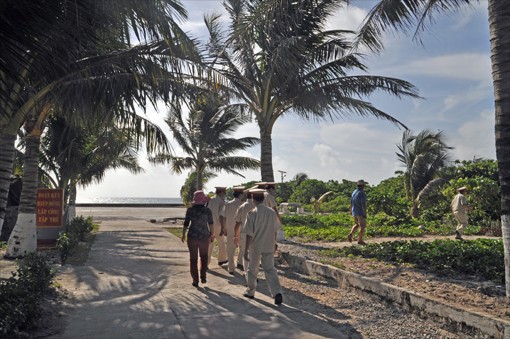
{"x": 70, "y": 213}
{"x": 7, "y": 152}
{"x": 499, "y": 26}
{"x": 266, "y": 155}
{"x": 200, "y": 180}
{"x": 23, "y": 238}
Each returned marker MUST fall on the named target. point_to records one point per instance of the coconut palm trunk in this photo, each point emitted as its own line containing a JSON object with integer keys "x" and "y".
{"x": 266, "y": 154}
{"x": 7, "y": 151}
{"x": 70, "y": 210}
{"x": 499, "y": 26}
{"x": 23, "y": 239}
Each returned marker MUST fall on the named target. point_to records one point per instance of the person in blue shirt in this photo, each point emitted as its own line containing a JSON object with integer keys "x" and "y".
{"x": 359, "y": 212}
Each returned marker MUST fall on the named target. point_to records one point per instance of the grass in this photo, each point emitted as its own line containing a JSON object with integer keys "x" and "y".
{"x": 481, "y": 257}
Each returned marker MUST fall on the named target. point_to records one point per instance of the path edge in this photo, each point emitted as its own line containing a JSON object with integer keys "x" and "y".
{"x": 463, "y": 320}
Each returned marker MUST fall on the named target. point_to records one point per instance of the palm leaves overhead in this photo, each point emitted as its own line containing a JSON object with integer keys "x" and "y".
{"x": 81, "y": 155}
{"x": 50, "y": 40}
{"x": 403, "y": 15}
{"x": 279, "y": 58}
{"x": 205, "y": 136}
{"x": 423, "y": 155}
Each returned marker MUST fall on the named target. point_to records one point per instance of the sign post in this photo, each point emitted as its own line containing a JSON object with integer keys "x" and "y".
{"x": 49, "y": 215}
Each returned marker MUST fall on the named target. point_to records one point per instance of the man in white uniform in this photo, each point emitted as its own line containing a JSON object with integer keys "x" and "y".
{"x": 230, "y": 213}
{"x": 217, "y": 207}
{"x": 240, "y": 236}
{"x": 260, "y": 229}
{"x": 460, "y": 210}
{"x": 270, "y": 201}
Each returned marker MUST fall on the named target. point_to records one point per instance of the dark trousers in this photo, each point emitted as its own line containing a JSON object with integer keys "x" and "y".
{"x": 198, "y": 247}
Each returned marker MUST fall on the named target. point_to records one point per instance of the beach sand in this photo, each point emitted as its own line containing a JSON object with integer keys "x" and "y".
{"x": 155, "y": 214}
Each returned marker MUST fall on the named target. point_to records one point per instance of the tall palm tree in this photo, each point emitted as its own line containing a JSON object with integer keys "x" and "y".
{"x": 423, "y": 155}
{"x": 100, "y": 69}
{"x": 279, "y": 59}
{"x": 410, "y": 15}
{"x": 205, "y": 136}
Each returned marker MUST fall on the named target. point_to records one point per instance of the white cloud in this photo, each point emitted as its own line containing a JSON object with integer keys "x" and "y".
{"x": 476, "y": 138}
{"x": 349, "y": 18}
{"x": 464, "y": 66}
{"x": 467, "y": 97}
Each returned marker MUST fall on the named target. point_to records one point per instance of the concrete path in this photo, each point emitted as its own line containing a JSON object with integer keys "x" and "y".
{"x": 136, "y": 284}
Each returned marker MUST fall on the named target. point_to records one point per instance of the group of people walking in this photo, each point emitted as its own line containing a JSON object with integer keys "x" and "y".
{"x": 250, "y": 222}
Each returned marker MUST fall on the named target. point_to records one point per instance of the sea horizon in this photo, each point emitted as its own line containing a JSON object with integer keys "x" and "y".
{"x": 128, "y": 200}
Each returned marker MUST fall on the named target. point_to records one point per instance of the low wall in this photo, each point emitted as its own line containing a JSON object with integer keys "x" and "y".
{"x": 468, "y": 321}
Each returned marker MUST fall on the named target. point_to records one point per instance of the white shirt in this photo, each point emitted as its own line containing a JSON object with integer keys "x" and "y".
{"x": 261, "y": 226}
{"x": 242, "y": 212}
{"x": 230, "y": 213}
{"x": 269, "y": 200}
{"x": 459, "y": 203}
{"x": 217, "y": 205}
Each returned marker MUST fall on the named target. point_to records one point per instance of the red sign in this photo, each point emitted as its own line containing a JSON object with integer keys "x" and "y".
{"x": 50, "y": 207}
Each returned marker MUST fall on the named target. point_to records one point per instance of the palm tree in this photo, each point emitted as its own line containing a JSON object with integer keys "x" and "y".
{"x": 423, "y": 155}
{"x": 190, "y": 186}
{"x": 101, "y": 69}
{"x": 408, "y": 14}
{"x": 74, "y": 155}
{"x": 299, "y": 178}
{"x": 205, "y": 136}
{"x": 279, "y": 59}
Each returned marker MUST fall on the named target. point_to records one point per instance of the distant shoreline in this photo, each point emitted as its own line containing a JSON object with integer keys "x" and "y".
{"x": 137, "y": 205}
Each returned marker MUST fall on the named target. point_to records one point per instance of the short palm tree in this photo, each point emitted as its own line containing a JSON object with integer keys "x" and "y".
{"x": 205, "y": 136}
{"x": 279, "y": 59}
{"x": 73, "y": 155}
{"x": 423, "y": 155}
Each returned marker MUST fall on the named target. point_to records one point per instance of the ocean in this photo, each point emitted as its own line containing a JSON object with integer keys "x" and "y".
{"x": 128, "y": 200}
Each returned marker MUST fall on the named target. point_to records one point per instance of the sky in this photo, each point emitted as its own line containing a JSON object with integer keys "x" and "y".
{"x": 451, "y": 69}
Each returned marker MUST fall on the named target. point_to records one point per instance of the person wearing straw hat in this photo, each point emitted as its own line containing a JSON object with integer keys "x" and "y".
{"x": 460, "y": 210}
{"x": 217, "y": 207}
{"x": 359, "y": 211}
{"x": 230, "y": 213}
{"x": 260, "y": 229}
{"x": 200, "y": 234}
{"x": 240, "y": 236}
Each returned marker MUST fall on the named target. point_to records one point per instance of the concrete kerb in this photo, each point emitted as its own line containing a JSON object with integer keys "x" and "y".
{"x": 467, "y": 320}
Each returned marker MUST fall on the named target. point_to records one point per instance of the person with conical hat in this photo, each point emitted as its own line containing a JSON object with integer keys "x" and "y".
{"x": 230, "y": 212}
{"x": 460, "y": 208}
{"x": 240, "y": 218}
{"x": 260, "y": 229}
{"x": 217, "y": 207}
{"x": 359, "y": 211}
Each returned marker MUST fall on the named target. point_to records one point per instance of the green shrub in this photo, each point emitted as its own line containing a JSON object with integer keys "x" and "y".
{"x": 80, "y": 226}
{"x": 20, "y": 295}
{"x": 480, "y": 257}
{"x": 76, "y": 231}
{"x": 66, "y": 243}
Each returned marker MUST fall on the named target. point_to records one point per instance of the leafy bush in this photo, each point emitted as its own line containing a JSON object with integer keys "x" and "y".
{"x": 65, "y": 245}
{"x": 76, "y": 231}
{"x": 80, "y": 227}
{"x": 20, "y": 295}
{"x": 480, "y": 257}
{"x": 335, "y": 227}
{"x": 308, "y": 189}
